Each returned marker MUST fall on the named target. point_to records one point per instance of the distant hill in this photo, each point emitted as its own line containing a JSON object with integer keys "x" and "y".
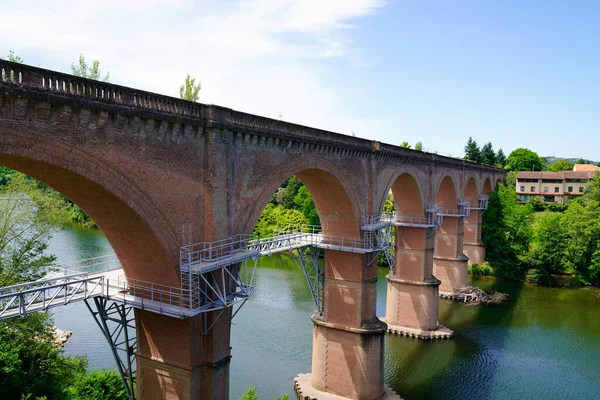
{"x": 552, "y": 160}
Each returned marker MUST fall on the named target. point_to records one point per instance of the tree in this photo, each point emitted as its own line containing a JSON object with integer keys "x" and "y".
{"x": 548, "y": 254}
{"x": 501, "y": 158}
{"x": 507, "y": 232}
{"x": 419, "y": 146}
{"x": 99, "y": 385}
{"x": 561, "y": 165}
{"x": 581, "y": 161}
{"x": 30, "y": 363}
{"x": 523, "y": 159}
{"x": 190, "y": 90}
{"x": 14, "y": 58}
{"x": 84, "y": 70}
{"x": 405, "y": 145}
{"x": 305, "y": 203}
{"x": 472, "y": 152}
{"x": 488, "y": 156}
{"x": 291, "y": 188}
{"x": 28, "y": 216}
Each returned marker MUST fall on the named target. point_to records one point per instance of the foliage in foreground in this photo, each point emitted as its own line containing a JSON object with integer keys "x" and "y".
{"x": 32, "y": 366}
{"x": 250, "y": 394}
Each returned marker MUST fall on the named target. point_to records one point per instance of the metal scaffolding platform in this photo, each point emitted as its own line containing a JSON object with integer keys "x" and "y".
{"x": 482, "y": 203}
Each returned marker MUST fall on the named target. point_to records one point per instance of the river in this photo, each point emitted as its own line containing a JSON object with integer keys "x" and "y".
{"x": 543, "y": 343}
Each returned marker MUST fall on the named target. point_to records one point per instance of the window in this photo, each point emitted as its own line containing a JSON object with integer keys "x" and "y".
{"x": 522, "y": 189}
{"x": 580, "y": 189}
{"x": 556, "y": 190}
{"x": 570, "y": 189}
{"x": 533, "y": 188}
{"x": 545, "y": 189}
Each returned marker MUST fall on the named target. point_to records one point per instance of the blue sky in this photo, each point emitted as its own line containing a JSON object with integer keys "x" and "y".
{"x": 516, "y": 73}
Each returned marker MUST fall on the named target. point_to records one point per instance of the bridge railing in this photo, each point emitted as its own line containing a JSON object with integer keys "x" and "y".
{"x": 154, "y": 296}
{"x": 90, "y": 265}
{"x": 69, "y": 85}
{"x": 20, "y": 300}
{"x": 205, "y": 252}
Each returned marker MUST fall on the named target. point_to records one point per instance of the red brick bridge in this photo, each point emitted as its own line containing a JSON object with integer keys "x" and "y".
{"x": 140, "y": 163}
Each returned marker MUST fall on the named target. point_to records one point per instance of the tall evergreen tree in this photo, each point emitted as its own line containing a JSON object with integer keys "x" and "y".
{"x": 472, "y": 152}
{"x": 488, "y": 156}
{"x": 501, "y": 158}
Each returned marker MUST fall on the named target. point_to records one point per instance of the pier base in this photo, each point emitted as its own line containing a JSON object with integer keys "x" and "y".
{"x": 305, "y": 391}
{"x": 440, "y": 333}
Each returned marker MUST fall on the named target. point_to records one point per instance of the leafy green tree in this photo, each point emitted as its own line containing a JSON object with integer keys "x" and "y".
{"x": 472, "y": 152}
{"x": 190, "y": 90}
{"x": 581, "y": 161}
{"x": 488, "y": 155}
{"x": 523, "y": 159}
{"x": 405, "y": 145}
{"x": 290, "y": 190}
{"x": 419, "y": 146}
{"x": 581, "y": 222}
{"x": 561, "y": 165}
{"x": 592, "y": 189}
{"x": 99, "y": 385}
{"x": 14, "y": 58}
{"x": 250, "y": 394}
{"x": 30, "y": 362}
{"x": 84, "y": 70}
{"x": 501, "y": 158}
{"x": 507, "y": 231}
{"x": 305, "y": 203}
{"x": 548, "y": 254}
{"x": 389, "y": 206}
{"x": 275, "y": 217}
{"x": 28, "y": 216}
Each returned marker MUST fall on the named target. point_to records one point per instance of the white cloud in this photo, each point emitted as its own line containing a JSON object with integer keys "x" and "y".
{"x": 267, "y": 57}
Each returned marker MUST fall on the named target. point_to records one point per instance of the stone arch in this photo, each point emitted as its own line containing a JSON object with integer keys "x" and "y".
{"x": 138, "y": 232}
{"x": 402, "y": 181}
{"x": 408, "y": 196}
{"x": 471, "y": 192}
{"x": 487, "y": 186}
{"x": 446, "y": 192}
{"x": 337, "y": 206}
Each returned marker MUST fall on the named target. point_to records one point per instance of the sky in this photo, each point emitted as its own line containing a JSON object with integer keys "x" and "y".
{"x": 516, "y": 73}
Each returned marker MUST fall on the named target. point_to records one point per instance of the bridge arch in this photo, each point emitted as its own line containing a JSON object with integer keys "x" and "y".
{"x": 471, "y": 191}
{"x": 337, "y": 204}
{"x": 487, "y": 186}
{"x": 446, "y": 192}
{"x": 136, "y": 229}
{"x": 408, "y": 191}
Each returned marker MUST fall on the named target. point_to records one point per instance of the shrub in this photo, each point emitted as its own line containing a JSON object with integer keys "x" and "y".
{"x": 484, "y": 269}
{"x": 538, "y": 205}
{"x": 557, "y": 207}
{"x": 99, "y": 385}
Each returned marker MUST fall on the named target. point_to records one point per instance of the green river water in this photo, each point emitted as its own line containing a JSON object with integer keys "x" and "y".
{"x": 544, "y": 343}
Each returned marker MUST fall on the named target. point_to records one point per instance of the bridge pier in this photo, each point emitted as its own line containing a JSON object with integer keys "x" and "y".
{"x": 175, "y": 360}
{"x": 449, "y": 262}
{"x": 473, "y": 246}
{"x": 348, "y": 338}
{"x": 412, "y": 290}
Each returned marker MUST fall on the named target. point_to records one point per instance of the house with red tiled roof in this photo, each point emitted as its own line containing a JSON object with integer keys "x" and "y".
{"x": 553, "y": 187}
